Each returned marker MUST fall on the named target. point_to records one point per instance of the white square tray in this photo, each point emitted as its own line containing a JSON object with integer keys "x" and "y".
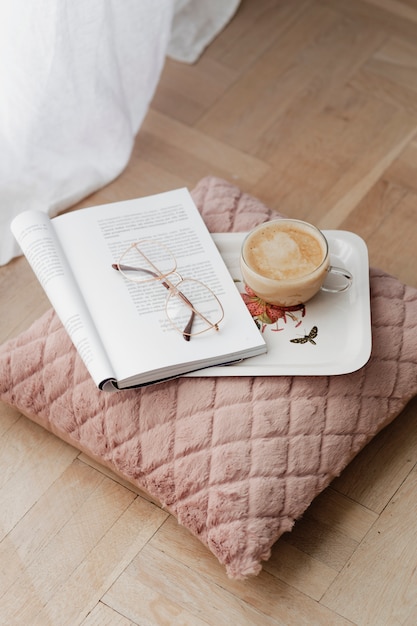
{"x": 343, "y": 320}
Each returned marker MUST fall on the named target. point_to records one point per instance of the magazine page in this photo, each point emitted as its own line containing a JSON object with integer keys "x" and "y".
{"x": 34, "y": 232}
{"x": 131, "y": 319}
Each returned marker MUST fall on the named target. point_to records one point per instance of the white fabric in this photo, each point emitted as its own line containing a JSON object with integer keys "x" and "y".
{"x": 195, "y": 24}
{"x": 77, "y": 77}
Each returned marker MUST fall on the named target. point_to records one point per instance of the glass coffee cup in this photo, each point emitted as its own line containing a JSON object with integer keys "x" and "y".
{"x": 286, "y": 262}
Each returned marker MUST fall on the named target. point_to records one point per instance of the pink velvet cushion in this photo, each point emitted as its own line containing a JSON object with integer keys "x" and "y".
{"x": 236, "y": 460}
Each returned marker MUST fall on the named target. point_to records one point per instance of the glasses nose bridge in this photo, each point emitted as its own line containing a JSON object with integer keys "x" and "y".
{"x": 171, "y": 282}
{"x": 175, "y": 278}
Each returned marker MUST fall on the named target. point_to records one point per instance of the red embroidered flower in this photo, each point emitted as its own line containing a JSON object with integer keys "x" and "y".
{"x": 265, "y": 312}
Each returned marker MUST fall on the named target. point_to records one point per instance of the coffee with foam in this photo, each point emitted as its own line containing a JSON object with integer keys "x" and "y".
{"x": 285, "y": 261}
{"x": 284, "y": 251}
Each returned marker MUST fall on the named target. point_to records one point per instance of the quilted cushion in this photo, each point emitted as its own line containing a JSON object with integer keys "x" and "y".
{"x": 236, "y": 460}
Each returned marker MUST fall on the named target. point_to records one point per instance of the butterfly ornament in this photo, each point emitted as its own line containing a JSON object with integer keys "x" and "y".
{"x": 307, "y": 338}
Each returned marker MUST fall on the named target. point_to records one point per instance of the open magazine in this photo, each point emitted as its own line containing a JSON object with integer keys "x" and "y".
{"x": 130, "y": 321}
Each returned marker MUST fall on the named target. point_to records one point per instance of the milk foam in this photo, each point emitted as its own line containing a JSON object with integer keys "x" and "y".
{"x": 283, "y": 252}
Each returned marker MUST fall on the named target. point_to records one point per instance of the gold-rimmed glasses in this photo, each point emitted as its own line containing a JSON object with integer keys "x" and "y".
{"x": 191, "y": 306}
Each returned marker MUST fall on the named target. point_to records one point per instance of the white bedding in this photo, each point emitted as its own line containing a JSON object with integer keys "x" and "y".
{"x": 76, "y": 81}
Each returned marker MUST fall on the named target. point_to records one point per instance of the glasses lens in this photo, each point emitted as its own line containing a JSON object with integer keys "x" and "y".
{"x": 147, "y": 261}
{"x": 193, "y": 308}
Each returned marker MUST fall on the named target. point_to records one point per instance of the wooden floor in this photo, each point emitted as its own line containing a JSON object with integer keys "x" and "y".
{"x": 311, "y": 105}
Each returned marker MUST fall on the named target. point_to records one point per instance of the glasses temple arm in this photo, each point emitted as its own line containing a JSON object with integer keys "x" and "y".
{"x": 187, "y": 330}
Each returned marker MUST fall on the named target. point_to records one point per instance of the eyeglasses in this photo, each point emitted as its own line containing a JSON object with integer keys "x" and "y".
{"x": 191, "y": 306}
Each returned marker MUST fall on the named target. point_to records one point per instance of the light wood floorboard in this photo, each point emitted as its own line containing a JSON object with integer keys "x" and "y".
{"x": 311, "y": 105}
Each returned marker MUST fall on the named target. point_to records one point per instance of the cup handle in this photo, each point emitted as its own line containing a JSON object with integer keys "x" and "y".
{"x": 344, "y": 285}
